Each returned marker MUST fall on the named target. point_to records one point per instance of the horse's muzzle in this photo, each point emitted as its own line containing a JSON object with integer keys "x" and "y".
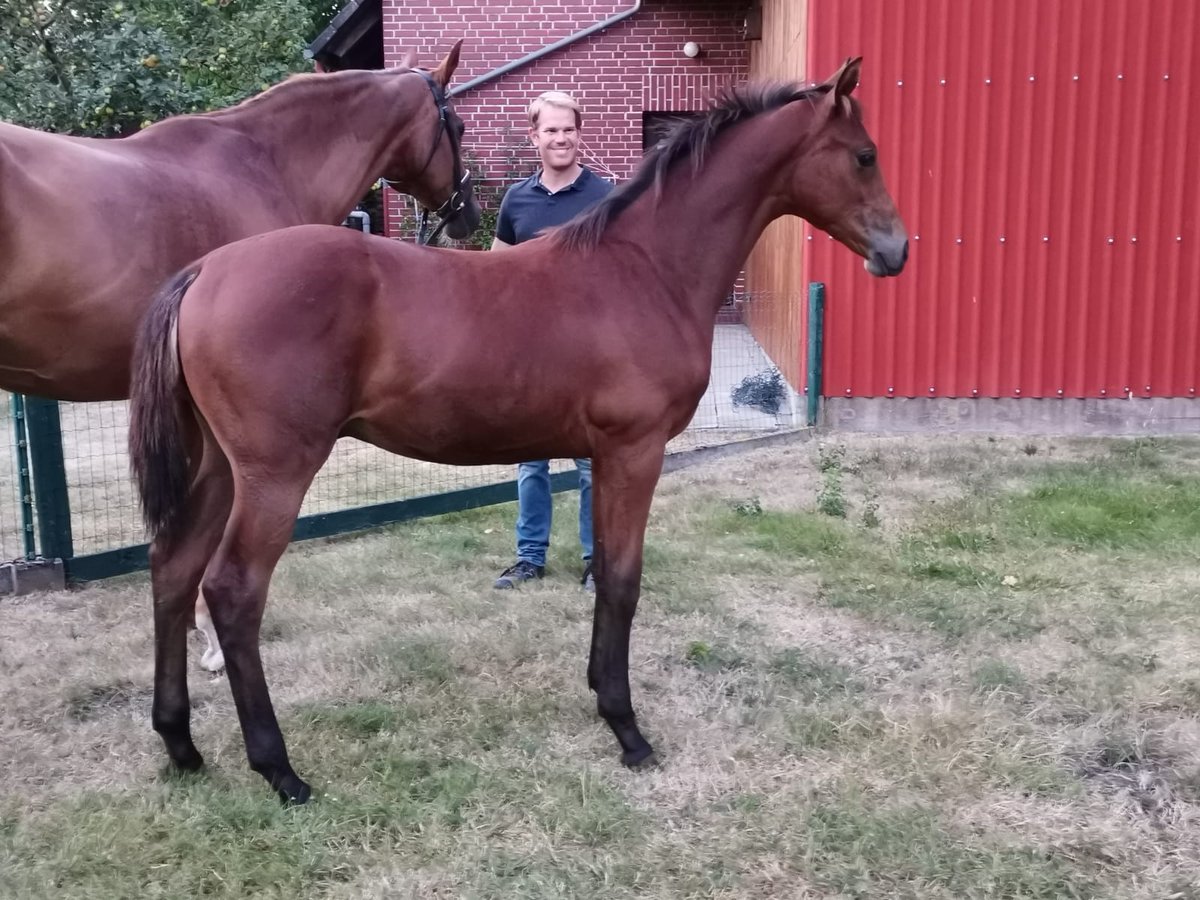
{"x": 462, "y": 223}
{"x": 887, "y": 255}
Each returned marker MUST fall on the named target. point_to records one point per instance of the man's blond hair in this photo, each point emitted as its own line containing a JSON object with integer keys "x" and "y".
{"x": 558, "y": 99}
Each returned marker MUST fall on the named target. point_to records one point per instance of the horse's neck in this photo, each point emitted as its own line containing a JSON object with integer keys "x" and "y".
{"x": 702, "y": 229}
{"x": 324, "y": 136}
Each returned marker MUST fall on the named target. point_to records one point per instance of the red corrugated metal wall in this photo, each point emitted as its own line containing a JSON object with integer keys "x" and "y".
{"x": 1044, "y": 155}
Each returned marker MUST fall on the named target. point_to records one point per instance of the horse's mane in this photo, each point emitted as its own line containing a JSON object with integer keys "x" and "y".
{"x": 687, "y": 138}
{"x": 298, "y": 81}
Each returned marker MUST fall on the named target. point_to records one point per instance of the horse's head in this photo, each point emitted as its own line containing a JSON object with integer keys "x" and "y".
{"x": 426, "y": 160}
{"x": 837, "y": 185}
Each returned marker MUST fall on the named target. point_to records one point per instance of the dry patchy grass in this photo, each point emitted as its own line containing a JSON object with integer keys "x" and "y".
{"x": 973, "y": 675}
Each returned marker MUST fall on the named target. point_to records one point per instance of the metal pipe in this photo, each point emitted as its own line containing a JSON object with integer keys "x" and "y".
{"x": 24, "y": 484}
{"x": 816, "y": 349}
{"x": 538, "y": 54}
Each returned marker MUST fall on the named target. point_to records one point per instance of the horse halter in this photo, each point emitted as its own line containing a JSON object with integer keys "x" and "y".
{"x": 458, "y": 199}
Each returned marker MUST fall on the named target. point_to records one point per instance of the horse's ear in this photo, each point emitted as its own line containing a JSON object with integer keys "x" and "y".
{"x": 409, "y": 61}
{"x": 846, "y": 79}
{"x": 445, "y": 70}
{"x": 842, "y": 84}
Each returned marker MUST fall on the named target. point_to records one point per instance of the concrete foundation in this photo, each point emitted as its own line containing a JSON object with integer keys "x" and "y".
{"x": 1135, "y": 416}
{"x": 31, "y": 576}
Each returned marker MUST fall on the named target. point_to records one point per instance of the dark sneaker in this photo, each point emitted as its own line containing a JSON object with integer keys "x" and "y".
{"x": 588, "y": 580}
{"x": 520, "y": 571}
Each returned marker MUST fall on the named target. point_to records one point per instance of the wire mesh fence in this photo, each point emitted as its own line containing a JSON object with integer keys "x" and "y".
{"x": 12, "y": 540}
{"x": 746, "y": 396}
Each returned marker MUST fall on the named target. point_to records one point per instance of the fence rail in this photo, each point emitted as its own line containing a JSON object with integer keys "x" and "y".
{"x": 66, "y": 492}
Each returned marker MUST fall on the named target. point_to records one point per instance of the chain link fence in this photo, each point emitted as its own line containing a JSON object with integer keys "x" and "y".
{"x": 12, "y": 531}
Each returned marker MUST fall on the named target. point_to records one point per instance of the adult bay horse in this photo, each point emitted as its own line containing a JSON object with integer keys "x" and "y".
{"x": 594, "y": 340}
{"x": 90, "y": 228}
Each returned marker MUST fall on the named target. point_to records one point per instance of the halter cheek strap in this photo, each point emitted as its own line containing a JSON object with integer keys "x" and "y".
{"x": 462, "y": 177}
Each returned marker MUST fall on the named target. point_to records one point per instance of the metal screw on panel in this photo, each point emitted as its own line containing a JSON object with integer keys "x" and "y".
{"x": 931, "y": 390}
{"x": 1017, "y": 391}
{"x": 1003, "y": 239}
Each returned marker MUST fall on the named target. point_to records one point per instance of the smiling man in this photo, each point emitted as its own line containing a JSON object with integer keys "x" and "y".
{"x": 553, "y": 195}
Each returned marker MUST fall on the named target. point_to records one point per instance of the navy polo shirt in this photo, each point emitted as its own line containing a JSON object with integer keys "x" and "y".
{"x": 529, "y": 209}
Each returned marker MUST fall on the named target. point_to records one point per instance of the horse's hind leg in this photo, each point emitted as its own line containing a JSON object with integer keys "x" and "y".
{"x": 235, "y": 586}
{"x": 213, "y": 659}
{"x": 177, "y": 565}
{"x": 624, "y": 478}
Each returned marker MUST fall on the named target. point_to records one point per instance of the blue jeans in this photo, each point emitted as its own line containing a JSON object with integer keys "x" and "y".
{"x": 535, "y": 507}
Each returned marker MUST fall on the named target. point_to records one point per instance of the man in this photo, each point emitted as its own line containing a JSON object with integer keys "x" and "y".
{"x": 554, "y": 195}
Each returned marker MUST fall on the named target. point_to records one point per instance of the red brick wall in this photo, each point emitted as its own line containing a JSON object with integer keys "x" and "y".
{"x": 616, "y": 74}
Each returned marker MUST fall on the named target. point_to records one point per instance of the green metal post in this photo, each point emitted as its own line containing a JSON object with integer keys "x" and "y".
{"x": 49, "y": 478}
{"x": 21, "y": 437}
{"x": 816, "y": 349}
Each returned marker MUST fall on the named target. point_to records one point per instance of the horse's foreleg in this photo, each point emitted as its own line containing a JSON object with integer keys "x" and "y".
{"x": 235, "y": 589}
{"x": 177, "y": 565}
{"x": 623, "y": 485}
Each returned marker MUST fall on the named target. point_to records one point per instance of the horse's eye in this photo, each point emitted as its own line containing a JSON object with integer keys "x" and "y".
{"x": 866, "y": 158}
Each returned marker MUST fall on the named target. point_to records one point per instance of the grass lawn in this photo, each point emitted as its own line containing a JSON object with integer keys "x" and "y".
{"x": 902, "y": 667}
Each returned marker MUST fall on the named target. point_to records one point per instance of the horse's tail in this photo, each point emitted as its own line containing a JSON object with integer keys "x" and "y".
{"x": 158, "y": 397}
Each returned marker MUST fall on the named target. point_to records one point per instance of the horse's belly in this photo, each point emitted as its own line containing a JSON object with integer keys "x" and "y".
{"x": 445, "y": 432}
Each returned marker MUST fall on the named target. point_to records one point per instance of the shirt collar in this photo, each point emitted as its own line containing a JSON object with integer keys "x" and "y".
{"x": 576, "y": 185}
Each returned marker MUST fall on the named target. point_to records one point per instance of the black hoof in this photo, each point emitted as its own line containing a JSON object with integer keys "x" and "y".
{"x": 187, "y": 760}
{"x": 641, "y": 760}
{"x": 294, "y": 792}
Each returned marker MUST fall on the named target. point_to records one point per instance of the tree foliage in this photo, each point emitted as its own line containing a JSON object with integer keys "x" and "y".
{"x": 107, "y": 68}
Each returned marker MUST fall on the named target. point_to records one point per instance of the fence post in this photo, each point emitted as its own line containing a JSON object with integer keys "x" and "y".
{"x": 24, "y": 489}
{"x": 49, "y": 478}
{"x": 816, "y": 349}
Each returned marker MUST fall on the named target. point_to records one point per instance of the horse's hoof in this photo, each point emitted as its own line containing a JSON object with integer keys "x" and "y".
{"x": 640, "y": 760}
{"x": 212, "y": 661}
{"x": 188, "y": 760}
{"x": 294, "y": 792}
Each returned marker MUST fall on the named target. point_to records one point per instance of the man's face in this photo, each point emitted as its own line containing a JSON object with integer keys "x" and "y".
{"x": 556, "y": 137}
